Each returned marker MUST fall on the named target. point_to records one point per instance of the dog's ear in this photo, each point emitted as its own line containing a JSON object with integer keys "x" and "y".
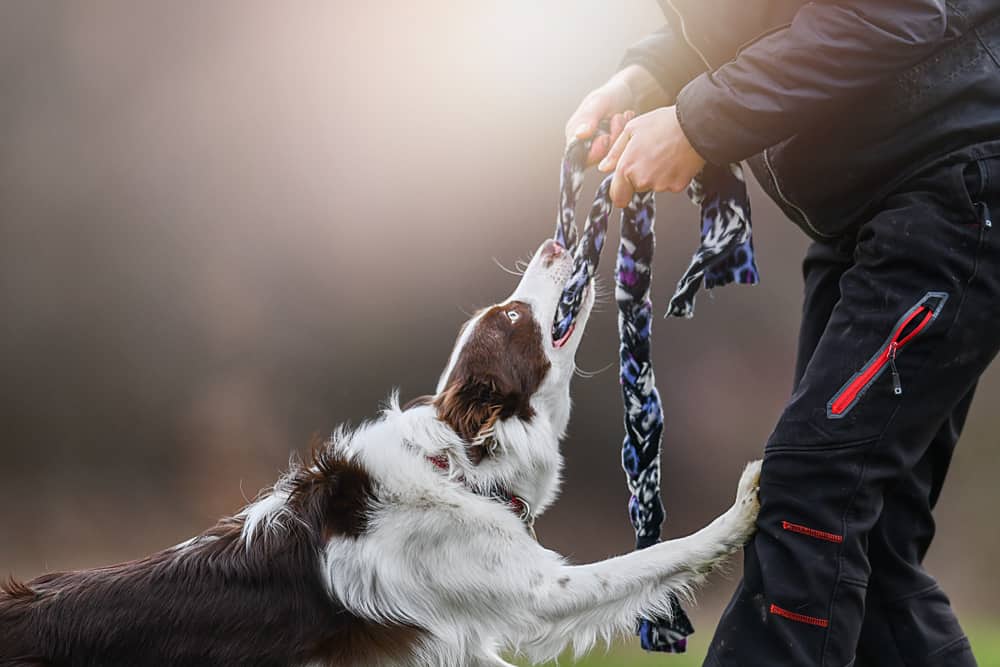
{"x": 496, "y": 372}
{"x": 471, "y": 408}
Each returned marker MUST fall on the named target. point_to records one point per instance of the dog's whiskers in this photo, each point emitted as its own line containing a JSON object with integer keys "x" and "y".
{"x": 590, "y": 374}
{"x": 519, "y": 272}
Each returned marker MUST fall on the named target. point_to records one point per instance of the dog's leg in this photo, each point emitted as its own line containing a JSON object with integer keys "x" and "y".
{"x": 590, "y": 601}
{"x": 473, "y": 586}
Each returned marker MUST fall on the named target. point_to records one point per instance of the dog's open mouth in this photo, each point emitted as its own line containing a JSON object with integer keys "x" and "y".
{"x": 565, "y": 337}
{"x": 568, "y": 334}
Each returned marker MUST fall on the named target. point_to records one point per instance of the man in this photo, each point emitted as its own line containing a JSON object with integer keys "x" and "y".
{"x": 875, "y": 125}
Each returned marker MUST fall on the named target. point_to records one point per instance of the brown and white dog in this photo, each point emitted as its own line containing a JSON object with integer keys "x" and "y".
{"x": 405, "y": 542}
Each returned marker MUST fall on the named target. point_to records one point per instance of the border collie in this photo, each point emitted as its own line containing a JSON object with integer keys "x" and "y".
{"x": 407, "y": 541}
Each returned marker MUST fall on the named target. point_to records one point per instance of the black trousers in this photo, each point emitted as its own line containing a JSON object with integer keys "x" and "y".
{"x": 898, "y": 324}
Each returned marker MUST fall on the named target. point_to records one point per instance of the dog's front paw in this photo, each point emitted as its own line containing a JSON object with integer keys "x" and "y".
{"x": 744, "y": 511}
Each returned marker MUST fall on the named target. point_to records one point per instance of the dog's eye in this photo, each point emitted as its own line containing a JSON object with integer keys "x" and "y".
{"x": 513, "y": 315}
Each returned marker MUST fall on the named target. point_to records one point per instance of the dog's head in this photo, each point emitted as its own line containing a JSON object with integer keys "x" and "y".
{"x": 506, "y": 374}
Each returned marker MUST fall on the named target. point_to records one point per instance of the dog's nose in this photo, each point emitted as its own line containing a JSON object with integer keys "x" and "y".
{"x": 550, "y": 250}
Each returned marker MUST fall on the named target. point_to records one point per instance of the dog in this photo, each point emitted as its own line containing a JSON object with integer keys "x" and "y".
{"x": 408, "y": 541}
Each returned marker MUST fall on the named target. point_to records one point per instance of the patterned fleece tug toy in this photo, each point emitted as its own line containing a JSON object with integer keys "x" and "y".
{"x": 725, "y": 256}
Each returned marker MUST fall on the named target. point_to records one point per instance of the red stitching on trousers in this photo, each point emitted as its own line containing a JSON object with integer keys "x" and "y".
{"x": 812, "y": 532}
{"x": 801, "y": 618}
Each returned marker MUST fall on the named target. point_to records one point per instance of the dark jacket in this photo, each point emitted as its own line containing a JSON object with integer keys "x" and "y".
{"x": 834, "y": 103}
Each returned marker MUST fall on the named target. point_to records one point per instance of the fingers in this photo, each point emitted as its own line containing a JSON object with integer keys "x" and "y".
{"x": 622, "y": 189}
{"x": 598, "y": 149}
{"x": 600, "y": 146}
{"x": 610, "y": 161}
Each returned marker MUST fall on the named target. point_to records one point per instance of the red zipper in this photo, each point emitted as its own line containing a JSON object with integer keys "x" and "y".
{"x": 812, "y": 532}
{"x": 923, "y": 315}
{"x": 799, "y": 618}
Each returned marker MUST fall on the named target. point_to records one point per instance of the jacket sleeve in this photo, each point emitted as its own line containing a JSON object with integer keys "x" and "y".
{"x": 668, "y": 57}
{"x": 794, "y": 77}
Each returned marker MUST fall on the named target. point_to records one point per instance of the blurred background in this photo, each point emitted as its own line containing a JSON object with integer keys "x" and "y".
{"x": 227, "y": 226}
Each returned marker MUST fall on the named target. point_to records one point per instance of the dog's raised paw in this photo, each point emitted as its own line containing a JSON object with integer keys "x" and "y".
{"x": 747, "y": 503}
{"x": 749, "y": 482}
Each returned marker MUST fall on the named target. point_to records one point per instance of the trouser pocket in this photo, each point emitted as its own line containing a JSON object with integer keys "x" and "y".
{"x": 981, "y": 181}
{"x": 910, "y": 326}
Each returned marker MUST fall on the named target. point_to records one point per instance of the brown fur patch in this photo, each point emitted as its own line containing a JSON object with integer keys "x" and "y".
{"x": 497, "y": 372}
{"x": 217, "y": 600}
{"x": 332, "y": 495}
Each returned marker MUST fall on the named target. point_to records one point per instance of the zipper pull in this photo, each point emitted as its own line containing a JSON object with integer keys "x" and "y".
{"x": 897, "y": 385}
{"x": 984, "y": 215}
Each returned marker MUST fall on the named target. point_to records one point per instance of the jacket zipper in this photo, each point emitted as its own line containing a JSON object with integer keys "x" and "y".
{"x": 788, "y": 202}
{"x": 684, "y": 34}
{"x": 911, "y": 325}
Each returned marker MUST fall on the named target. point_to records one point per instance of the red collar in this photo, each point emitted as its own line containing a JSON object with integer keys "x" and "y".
{"x": 516, "y": 504}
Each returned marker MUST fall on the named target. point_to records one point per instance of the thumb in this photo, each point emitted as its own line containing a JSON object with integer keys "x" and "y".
{"x": 580, "y": 127}
{"x": 584, "y": 122}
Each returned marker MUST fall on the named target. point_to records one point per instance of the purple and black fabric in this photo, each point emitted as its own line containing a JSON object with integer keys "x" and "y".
{"x": 726, "y": 255}
{"x": 726, "y": 252}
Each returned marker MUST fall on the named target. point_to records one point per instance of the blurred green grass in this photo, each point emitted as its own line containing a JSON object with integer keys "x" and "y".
{"x": 985, "y": 637}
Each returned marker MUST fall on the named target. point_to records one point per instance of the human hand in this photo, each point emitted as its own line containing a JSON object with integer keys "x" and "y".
{"x": 652, "y": 153}
{"x": 616, "y": 102}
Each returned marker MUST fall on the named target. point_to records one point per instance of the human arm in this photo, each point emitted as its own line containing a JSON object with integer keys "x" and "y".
{"x": 779, "y": 86}
{"x": 797, "y": 77}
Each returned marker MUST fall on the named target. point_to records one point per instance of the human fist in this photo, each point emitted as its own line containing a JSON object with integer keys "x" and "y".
{"x": 616, "y": 102}
{"x": 651, "y": 153}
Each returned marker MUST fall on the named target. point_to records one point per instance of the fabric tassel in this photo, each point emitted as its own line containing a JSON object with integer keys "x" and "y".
{"x": 725, "y": 256}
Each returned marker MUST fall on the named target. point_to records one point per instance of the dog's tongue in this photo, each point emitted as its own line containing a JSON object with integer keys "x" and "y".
{"x": 571, "y": 299}
{"x": 565, "y": 337}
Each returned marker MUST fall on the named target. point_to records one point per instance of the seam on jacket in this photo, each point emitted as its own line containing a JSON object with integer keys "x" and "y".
{"x": 950, "y": 645}
{"x": 857, "y": 583}
{"x": 796, "y": 448}
{"x": 684, "y": 35}
{"x": 682, "y": 121}
{"x": 888, "y": 602}
{"x": 982, "y": 43}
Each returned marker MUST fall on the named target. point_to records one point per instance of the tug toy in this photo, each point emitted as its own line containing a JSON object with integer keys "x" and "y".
{"x": 725, "y": 256}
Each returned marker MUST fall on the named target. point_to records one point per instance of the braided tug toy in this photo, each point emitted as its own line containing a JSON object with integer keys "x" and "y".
{"x": 725, "y": 256}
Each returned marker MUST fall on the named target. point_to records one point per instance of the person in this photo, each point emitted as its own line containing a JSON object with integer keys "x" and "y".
{"x": 875, "y": 126}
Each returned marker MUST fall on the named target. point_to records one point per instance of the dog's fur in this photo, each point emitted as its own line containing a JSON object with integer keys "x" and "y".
{"x": 395, "y": 545}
